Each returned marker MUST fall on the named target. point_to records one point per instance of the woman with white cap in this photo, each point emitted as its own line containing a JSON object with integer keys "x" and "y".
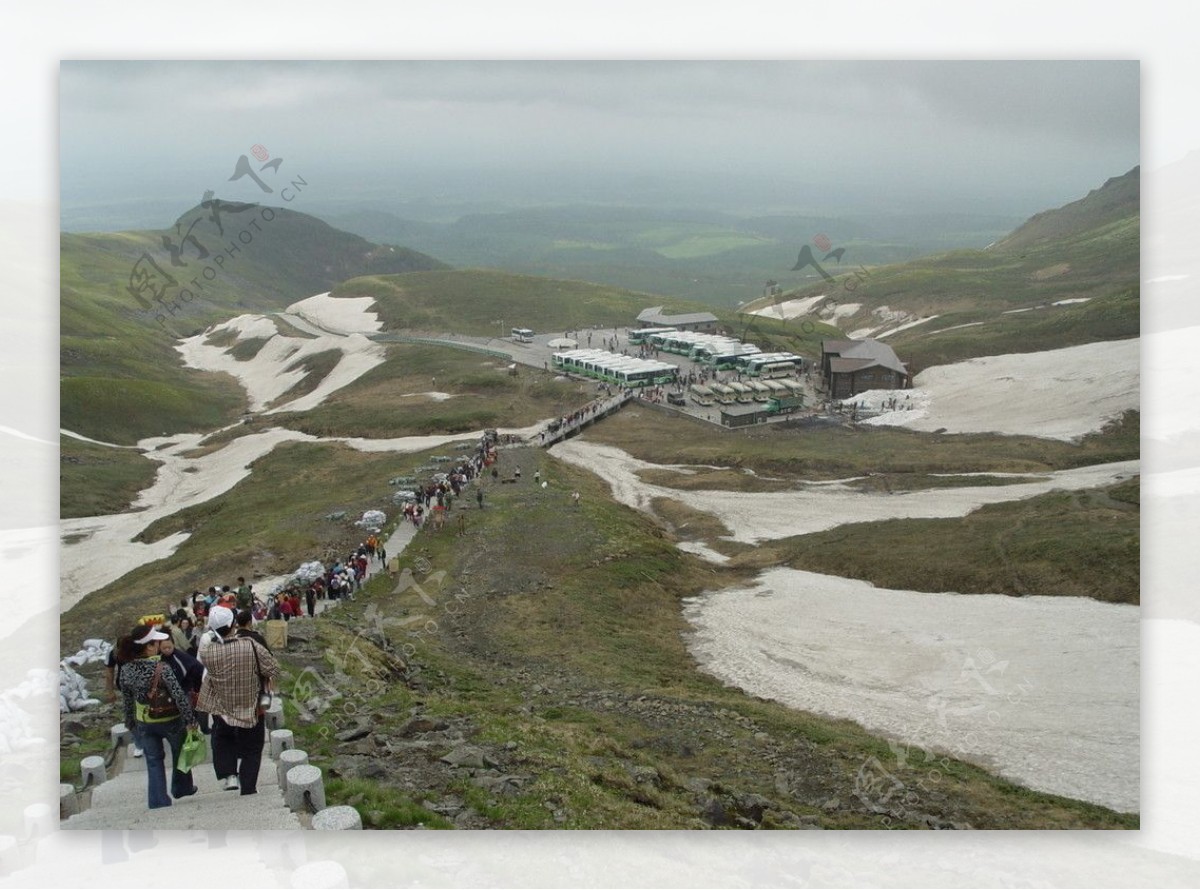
{"x": 156, "y": 709}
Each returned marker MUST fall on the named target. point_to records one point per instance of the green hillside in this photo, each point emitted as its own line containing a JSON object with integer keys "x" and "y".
{"x": 486, "y": 302}
{"x": 1066, "y": 277}
{"x": 121, "y": 378}
{"x": 1115, "y": 201}
{"x": 717, "y": 258}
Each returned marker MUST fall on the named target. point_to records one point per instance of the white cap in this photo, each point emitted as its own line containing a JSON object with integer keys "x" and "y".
{"x": 219, "y": 617}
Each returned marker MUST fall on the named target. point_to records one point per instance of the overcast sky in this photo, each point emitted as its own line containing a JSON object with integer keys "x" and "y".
{"x": 1015, "y": 137}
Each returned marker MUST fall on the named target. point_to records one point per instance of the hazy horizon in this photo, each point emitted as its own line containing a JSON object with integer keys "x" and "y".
{"x": 1001, "y": 138}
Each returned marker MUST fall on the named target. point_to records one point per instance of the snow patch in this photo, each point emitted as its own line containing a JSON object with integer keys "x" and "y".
{"x": 789, "y": 309}
{"x": 339, "y": 315}
{"x": 1043, "y": 690}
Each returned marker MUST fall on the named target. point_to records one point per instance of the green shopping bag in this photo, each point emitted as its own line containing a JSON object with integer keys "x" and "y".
{"x": 193, "y": 751}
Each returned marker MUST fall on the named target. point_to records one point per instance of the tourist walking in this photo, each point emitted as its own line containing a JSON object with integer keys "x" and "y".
{"x": 239, "y": 669}
{"x": 157, "y": 710}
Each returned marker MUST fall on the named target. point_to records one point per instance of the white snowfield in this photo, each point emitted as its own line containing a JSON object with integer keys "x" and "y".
{"x": 1043, "y": 690}
{"x": 276, "y": 367}
{"x": 1060, "y": 394}
{"x": 763, "y": 516}
{"x": 338, "y": 315}
{"x": 900, "y": 662}
{"x": 98, "y": 550}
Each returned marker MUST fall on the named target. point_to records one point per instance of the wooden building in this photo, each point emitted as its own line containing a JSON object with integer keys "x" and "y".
{"x": 734, "y": 416}
{"x": 853, "y": 366}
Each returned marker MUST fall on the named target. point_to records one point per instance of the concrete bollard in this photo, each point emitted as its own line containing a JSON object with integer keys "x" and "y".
{"x": 337, "y": 819}
{"x": 121, "y": 735}
{"x": 68, "y": 801}
{"x": 39, "y": 820}
{"x": 304, "y": 782}
{"x": 281, "y": 740}
{"x": 93, "y": 770}
{"x": 325, "y": 874}
{"x": 10, "y": 854}
{"x": 273, "y": 718}
{"x": 288, "y": 759}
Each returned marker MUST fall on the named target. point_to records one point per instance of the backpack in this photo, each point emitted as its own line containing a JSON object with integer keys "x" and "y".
{"x": 160, "y": 706}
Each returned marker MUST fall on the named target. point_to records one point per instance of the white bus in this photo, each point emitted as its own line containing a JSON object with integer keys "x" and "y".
{"x": 762, "y": 392}
{"x": 776, "y": 388}
{"x": 724, "y": 394}
{"x": 701, "y": 395}
{"x": 741, "y": 392}
{"x": 795, "y": 386}
{"x": 642, "y": 335}
{"x": 774, "y": 364}
{"x": 522, "y": 335}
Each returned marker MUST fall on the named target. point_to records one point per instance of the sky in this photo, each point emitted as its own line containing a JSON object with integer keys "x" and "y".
{"x": 828, "y": 136}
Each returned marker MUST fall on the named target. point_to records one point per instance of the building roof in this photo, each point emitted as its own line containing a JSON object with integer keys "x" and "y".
{"x": 743, "y": 410}
{"x": 654, "y": 316}
{"x": 868, "y": 352}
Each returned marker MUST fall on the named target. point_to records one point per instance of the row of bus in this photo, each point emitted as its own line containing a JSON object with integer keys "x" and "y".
{"x": 750, "y": 391}
{"x": 720, "y": 352}
{"x": 614, "y": 368}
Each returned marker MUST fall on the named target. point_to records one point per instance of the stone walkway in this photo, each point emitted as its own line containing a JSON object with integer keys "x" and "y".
{"x": 120, "y": 802}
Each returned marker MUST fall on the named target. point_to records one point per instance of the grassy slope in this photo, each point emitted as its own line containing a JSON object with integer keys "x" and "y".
{"x": 121, "y": 378}
{"x": 1083, "y": 543}
{"x": 1089, "y": 249}
{"x": 475, "y": 302}
{"x": 95, "y": 480}
{"x": 1075, "y": 544}
{"x": 568, "y": 637}
{"x": 710, "y": 257}
{"x": 386, "y": 402}
{"x": 892, "y": 456}
{"x": 566, "y": 634}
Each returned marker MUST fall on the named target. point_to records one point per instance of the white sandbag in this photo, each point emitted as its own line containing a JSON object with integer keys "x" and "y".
{"x": 310, "y": 571}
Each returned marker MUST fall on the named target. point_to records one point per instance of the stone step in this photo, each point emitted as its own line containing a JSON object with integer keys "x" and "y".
{"x": 121, "y": 803}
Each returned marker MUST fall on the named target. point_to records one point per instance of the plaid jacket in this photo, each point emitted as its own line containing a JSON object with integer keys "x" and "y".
{"x": 237, "y": 669}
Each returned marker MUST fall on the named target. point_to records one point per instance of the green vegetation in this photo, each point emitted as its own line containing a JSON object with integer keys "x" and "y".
{"x": 388, "y": 400}
{"x": 896, "y": 458}
{"x": 557, "y": 638}
{"x": 316, "y": 367}
{"x": 718, "y": 259}
{"x": 103, "y": 407}
{"x": 95, "y": 480}
{"x": 1086, "y": 251}
{"x": 486, "y": 303}
{"x": 122, "y": 379}
{"x": 1079, "y": 543}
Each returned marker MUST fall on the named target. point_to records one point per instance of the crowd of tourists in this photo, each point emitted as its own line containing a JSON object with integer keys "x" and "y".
{"x": 173, "y": 681}
{"x": 203, "y": 667}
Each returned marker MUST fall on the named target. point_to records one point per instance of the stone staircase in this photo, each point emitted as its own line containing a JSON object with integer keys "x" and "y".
{"x": 120, "y": 802}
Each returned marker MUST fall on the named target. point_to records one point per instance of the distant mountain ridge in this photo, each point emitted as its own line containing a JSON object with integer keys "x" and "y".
{"x": 1118, "y": 199}
{"x": 126, "y": 296}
